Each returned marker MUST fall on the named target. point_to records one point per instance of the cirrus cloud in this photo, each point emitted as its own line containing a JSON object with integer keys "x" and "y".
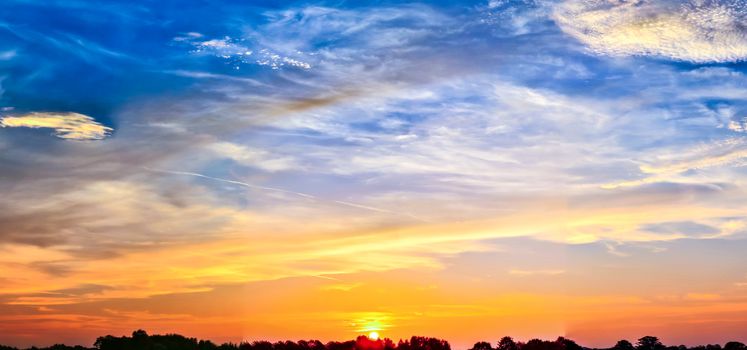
{"x": 695, "y": 31}
{"x": 69, "y": 126}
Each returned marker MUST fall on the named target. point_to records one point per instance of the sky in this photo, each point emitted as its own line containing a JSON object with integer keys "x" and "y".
{"x": 243, "y": 170}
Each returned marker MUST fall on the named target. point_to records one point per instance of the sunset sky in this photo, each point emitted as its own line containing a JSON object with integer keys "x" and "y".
{"x": 243, "y": 170}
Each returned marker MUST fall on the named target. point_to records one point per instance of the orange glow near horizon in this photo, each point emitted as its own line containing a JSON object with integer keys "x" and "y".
{"x": 419, "y": 296}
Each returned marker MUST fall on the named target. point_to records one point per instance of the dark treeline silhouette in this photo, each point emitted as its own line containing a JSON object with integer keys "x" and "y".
{"x": 645, "y": 343}
{"x": 140, "y": 340}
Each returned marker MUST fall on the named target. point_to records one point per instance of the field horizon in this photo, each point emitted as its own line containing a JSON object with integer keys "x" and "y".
{"x": 141, "y": 340}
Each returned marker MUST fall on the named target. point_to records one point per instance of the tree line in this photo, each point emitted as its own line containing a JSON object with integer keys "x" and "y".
{"x": 140, "y": 340}
{"x": 645, "y": 343}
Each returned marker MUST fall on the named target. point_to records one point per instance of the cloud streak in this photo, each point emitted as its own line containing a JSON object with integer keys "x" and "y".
{"x": 68, "y": 126}
{"x": 672, "y": 167}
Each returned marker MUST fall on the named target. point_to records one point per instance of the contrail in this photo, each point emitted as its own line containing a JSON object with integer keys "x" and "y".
{"x": 231, "y": 182}
{"x": 275, "y": 189}
{"x": 326, "y": 277}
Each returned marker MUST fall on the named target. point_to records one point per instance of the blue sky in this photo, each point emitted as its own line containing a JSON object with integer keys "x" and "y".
{"x": 584, "y": 139}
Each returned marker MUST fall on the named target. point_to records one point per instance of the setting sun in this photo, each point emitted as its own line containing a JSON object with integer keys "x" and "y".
{"x": 373, "y": 335}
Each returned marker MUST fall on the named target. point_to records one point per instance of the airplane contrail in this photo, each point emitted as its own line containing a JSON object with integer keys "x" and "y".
{"x": 326, "y": 277}
{"x": 275, "y": 189}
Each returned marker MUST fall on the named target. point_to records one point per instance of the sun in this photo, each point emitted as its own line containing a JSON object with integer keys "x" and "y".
{"x": 373, "y": 335}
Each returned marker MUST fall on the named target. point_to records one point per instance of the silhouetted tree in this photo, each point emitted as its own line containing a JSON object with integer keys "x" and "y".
{"x": 110, "y": 342}
{"x": 140, "y": 340}
{"x": 507, "y": 343}
{"x": 425, "y": 343}
{"x": 623, "y": 345}
{"x": 568, "y": 344}
{"x": 538, "y": 344}
{"x": 206, "y": 345}
{"x": 482, "y": 345}
{"x": 649, "y": 343}
{"x": 734, "y": 345}
{"x": 364, "y": 343}
{"x": 262, "y": 345}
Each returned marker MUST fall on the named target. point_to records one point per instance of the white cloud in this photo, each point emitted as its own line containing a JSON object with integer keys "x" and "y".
{"x": 298, "y": 38}
{"x": 738, "y": 125}
{"x": 673, "y": 166}
{"x": 69, "y": 126}
{"x": 612, "y": 248}
{"x": 696, "y": 31}
{"x": 253, "y": 157}
{"x": 238, "y": 51}
{"x": 188, "y": 36}
{"x": 275, "y": 61}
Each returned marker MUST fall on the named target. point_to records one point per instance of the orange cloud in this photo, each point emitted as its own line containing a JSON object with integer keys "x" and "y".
{"x": 69, "y": 126}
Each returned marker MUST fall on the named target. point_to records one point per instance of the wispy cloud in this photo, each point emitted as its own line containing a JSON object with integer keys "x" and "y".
{"x": 613, "y": 248}
{"x": 671, "y": 167}
{"x": 697, "y": 31}
{"x": 7, "y": 55}
{"x": 518, "y": 272}
{"x": 69, "y": 126}
{"x": 300, "y": 194}
{"x": 238, "y": 52}
{"x": 255, "y": 157}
